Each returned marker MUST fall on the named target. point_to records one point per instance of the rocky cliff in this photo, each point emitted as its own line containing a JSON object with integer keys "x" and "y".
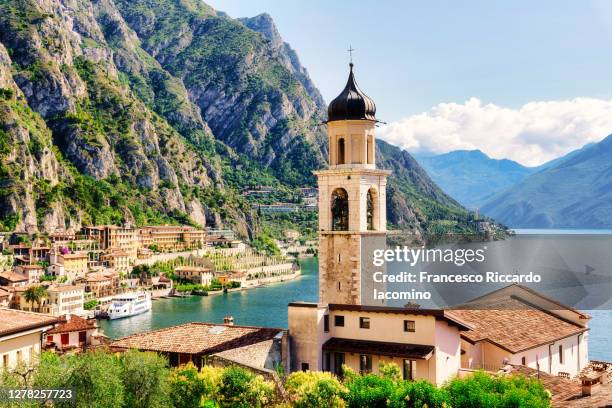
{"x": 149, "y": 111}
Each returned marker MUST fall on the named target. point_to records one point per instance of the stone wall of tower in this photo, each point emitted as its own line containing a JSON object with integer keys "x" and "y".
{"x": 359, "y": 142}
{"x": 340, "y": 268}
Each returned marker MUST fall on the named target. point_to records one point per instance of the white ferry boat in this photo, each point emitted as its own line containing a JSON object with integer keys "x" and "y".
{"x": 129, "y": 304}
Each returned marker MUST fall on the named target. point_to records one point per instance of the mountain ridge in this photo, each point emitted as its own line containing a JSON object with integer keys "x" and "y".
{"x": 154, "y": 111}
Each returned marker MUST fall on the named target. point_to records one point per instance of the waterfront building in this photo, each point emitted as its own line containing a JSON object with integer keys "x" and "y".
{"x": 72, "y": 332}
{"x": 103, "y": 284}
{"x": 520, "y": 326}
{"x": 68, "y": 264}
{"x": 172, "y": 237}
{"x": 114, "y": 237}
{"x": 21, "y": 336}
{"x": 58, "y": 301}
{"x": 195, "y": 274}
{"x": 200, "y": 343}
{"x": 118, "y": 259}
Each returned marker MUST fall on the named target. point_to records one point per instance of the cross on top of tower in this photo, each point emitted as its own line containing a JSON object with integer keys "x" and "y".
{"x": 350, "y": 51}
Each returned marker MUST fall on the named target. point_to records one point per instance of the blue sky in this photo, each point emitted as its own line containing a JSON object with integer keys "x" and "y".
{"x": 413, "y": 56}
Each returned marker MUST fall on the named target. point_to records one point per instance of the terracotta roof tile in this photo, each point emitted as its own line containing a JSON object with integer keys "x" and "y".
{"x": 15, "y": 321}
{"x": 196, "y": 338}
{"x": 76, "y": 323}
{"x": 513, "y": 325}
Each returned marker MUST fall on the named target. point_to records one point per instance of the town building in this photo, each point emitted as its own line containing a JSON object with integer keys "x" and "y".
{"x": 5, "y": 296}
{"x": 172, "y": 237}
{"x": 31, "y": 272}
{"x": 114, "y": 237}
{"x": 72, "y": 332}
{"x": 12, "y": 279}
{"x": 259, "y": 347}
{"x": 70, "y": 264}
{"x": 513, "y": 325}
{"x": 101, "y": 285}
{"x": 21, "y": 336}
{"x": 195, "y": 274}
{"x": 517, "y": 325}
{"x": 58, "y": 300}
{"x": 425, "y": 344}
{"x": 118, "y": 259}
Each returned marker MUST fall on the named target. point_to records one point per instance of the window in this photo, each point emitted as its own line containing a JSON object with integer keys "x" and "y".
{"x": 409, "y": 369}
{"x": 523, "y": 361}
{"x": 49, "y": 339}
{"x": 65, "y": 338}
{"x": 305, "y": 366}
{"x": 338, "y": 362}
{"x": 326, "y": 323}
{"x": 5, "y": 360}
{"x": 365, "y": 363}
{"x": 340, "y": 210}
{"x": 409, "y": 326}
{"x": 370, "y": 211}
{"x": 341, "y": 151}
{"x": 560, "y": 354}
{"x": 364, "y": 322}
{"x": 19, "y": 356}
{"x": 339, "y": 321}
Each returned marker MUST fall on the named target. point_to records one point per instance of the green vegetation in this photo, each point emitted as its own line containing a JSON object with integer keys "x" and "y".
{"x": 265, "y": 243}
{"x": 137, "y": 380}
{"x": 35, "y": 294}
{"x": 90, "y": 304}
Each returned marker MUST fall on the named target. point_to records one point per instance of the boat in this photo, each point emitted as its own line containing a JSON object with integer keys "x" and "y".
{"x": 129, "y": 304}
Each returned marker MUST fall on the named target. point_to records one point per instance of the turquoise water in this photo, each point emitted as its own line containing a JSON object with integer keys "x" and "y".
{"x": 267, "y": 306}
{"x": 263, "y": 306}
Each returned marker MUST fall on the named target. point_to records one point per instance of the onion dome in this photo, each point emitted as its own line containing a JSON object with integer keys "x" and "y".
{"x": 352, "y": 103}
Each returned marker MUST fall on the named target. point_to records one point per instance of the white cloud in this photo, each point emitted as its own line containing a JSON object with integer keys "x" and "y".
{"x": 531, "y": 135}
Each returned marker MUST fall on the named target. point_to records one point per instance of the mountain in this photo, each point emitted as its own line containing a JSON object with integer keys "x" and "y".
{"x": 472, "y": 177}
{"x": 574, "y": 193}
{"x": 151, "y": 111}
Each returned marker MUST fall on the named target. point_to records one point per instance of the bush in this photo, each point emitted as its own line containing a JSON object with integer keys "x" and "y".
{"x": 90, "y": 304}
{"x": 482, "y": 389}
{"x": 314, "y": 389}
{"x": 187, "y": 388}
{"x": 240, "y": 388}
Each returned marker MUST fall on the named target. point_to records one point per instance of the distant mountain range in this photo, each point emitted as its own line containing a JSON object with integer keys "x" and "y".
{"x": 572, "y": 192}
{"x": 471, "y": 177}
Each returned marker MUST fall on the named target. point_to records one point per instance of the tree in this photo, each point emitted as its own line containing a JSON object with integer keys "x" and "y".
{"x": 145, "y": 378}
{"x": 96, "y": 377}
{"x": 35, "y": 294}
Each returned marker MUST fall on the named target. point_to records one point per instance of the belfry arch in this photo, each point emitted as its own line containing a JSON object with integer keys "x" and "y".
{"x": 339, "y": 210}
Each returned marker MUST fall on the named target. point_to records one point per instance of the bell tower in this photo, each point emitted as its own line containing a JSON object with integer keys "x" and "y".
{"x": 352, "y": 199}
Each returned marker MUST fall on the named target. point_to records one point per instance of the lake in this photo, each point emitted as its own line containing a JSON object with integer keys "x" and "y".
{"x": 267, "y": 306}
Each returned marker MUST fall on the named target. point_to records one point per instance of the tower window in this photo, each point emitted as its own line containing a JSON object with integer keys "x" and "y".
{"x": 364, "y": 322}
{"x": 370, "y": 210}
{"x": 340, "y": 210}
{"x": 340, "y": 152}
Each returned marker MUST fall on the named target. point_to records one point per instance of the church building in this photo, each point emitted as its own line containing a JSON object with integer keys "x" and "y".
{"x": 348, "y": 327}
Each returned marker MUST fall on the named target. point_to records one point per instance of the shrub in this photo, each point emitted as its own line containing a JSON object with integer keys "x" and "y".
{"x": 186, "y": 387}
{"x": 315, "y": 389}
{"x": 481, "y": 389}
{"x": 240, "y": 388}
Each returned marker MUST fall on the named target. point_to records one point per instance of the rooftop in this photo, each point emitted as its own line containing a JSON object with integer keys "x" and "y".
{"x": 196, "y": 338}
{"x": 13, "y": 277}
{"x": 75, "y": 323}
{"x": 513, "y": 324}
{"x": 15, "y": 321}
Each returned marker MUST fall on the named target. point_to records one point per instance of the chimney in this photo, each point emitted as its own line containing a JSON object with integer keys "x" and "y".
{"x": 229, "y": 320}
